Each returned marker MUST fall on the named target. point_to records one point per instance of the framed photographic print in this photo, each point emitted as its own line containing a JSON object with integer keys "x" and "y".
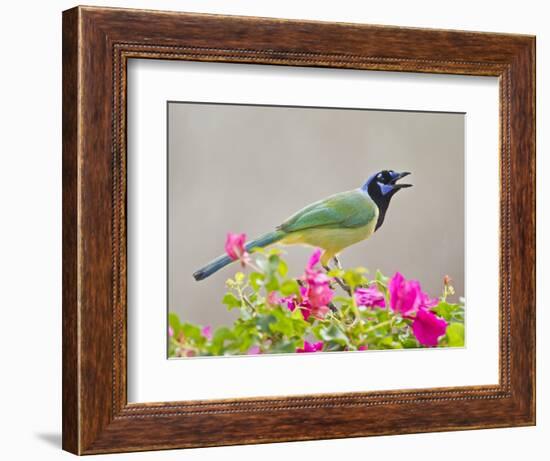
{"x": 284, "y": 230}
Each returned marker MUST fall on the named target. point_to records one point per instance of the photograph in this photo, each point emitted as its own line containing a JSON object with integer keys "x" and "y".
{"x": 296, "y": 229}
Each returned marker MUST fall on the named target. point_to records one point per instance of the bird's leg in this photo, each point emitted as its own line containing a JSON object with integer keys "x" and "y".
{"x": 343, "y": 284}
{"x": 338, "y": 280}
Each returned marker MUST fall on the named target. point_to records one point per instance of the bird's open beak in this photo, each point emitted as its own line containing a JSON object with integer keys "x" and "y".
{"x": 398, "y": 177}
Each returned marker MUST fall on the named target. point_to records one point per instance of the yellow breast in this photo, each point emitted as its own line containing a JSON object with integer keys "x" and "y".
{"x": 333, "y": 241}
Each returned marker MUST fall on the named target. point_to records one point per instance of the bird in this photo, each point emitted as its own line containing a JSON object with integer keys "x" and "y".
{"x": 332, "y": 224}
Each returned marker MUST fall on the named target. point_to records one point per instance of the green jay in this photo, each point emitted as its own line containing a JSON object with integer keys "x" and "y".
{"x": 331, "y": 224}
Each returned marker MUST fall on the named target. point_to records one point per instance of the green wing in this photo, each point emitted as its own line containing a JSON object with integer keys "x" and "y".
{"x": 347, "y": 209}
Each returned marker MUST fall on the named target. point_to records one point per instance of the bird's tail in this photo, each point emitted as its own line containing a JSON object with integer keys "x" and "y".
{"x": 265, "y": 240}
{"x": 222, "y": 261}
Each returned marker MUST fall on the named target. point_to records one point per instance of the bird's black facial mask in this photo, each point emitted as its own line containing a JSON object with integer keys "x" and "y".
{"x": 387, "y": 181}
{"x": 381, "y": 187}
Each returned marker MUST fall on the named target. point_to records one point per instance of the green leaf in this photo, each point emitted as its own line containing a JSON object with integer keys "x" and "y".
{"x": 381, "y": 278}
{"x": 264, "y": 321}
{"x": 336, "y": 273}
{"x": 245, "y": 334}
{"x": 274, "y": 261}
{"x": 246, "y": 314}
{"x": 282, "y": 269}
{"x": 353, "y": 278}
{"x": 341, "y": 299}
{"x": 256, "y": 280}
{"x": 455, "y": 334}
{"x": 253, "y": 297}
{"x": 283, "y": 326}
{"x": 382, "y": 283}
{"x": 284, "y": 347}
{"x": 289, "y": 287}
{"x": 231, "y": 301}
{"x": 171, "y": 349}
{"x": 263, "y": 264}
{"x": 297, "y": 315}
{"x": 192, "y": 332}
{"x": 410, "y": 343}
{"x": 174, "y": 322}
{"x": 221, "y": 335}
{"x": 272, "y": 284}
{"x": 334, "y": 334}
{"x": 289, "y": 324}
{"x": 383, "y": 315}
{"x": 333, "y": 347}
{"x": 389, "y": 343}
{"x": 446, "y": 310}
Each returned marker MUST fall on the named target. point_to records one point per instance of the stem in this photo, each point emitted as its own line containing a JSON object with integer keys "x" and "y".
{"x": 380, "y": 325}
{"x": 340, "y": 282}
{"x": 248, "y": 303}
{"x": 252, "y": 266}
{"x": 245, "y": 299}
{"x": 337, "y": 320}
{"x": 355, "y": 310}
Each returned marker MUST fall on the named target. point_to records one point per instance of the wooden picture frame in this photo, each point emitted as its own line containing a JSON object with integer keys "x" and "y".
{"x": 97, "y": 43}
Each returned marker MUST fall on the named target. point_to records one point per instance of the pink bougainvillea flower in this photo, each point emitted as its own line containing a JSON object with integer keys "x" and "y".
{"x": 302, "y": 303}
{"x": 290, "y": 301}
{"x": 428, "y": 327}
{"x": 305, "y": 310}
{"x": 293, "y": 301}
{"x": 318, "y": 312}
{"x": 207, "y": 332}
{"x": 314, "y": 259}
{"x": 318, "y": 293}
{"x": 369, "y": 297}
{"x": 406, "y": 296}
{"x": 254, "y": 350}
{"x": 364, "y": 347}
{"x": 170, "y": 331}
{"x": 273, "y": 299}
{"x": 235, "y": 247}
{"x": 427, "y": 301}
{"x": 310, "y": 347}
{"x": 313, "y": 301}
{"x": 315, "y": 292}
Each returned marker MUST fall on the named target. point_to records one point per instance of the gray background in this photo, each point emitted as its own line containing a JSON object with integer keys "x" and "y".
{"x": 246, "y": 168}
